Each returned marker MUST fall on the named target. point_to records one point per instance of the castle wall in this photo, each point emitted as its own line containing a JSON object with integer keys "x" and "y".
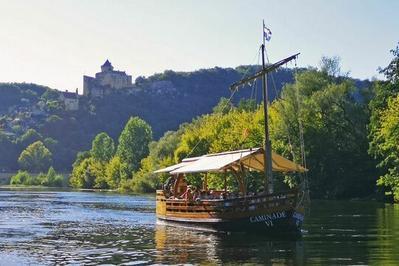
{"x": 88, "y": 83}
{"x": 114, "y": 79}
{"x": 71, "y": 104}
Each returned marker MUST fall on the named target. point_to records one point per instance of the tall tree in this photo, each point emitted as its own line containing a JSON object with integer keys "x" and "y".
{"x": 9, "y": 153}
{"x": 334, "y": 129}
{"x": 29, "y": 137}
{"x": 133, "y": 142}
{"x": 103, "y": 147}
{"x": 35, "y": 158}
{"x": 384, "y": 126}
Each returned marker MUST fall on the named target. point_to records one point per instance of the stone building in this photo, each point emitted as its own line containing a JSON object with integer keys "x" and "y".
{"x": 106, "y": 81}
{"x": 70, "y": 99}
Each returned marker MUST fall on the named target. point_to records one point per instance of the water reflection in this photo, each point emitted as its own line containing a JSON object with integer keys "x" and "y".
{"x": 386, "y": 235}
{"x": 175, "y": 244}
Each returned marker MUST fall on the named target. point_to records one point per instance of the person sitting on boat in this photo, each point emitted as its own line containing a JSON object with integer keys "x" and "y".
{"x": 187, "y": 194}
{"x": 169, "y": 184}
{"x": 196, "y": 194}
{"x": 182, "y": 186}
{"x": 223, "y": 195}
{"x": 211, "y": 194}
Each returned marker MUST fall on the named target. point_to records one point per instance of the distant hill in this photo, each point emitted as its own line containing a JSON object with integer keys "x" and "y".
{"x": 164, "y": 100}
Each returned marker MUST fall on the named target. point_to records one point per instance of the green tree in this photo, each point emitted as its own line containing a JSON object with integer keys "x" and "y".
{"x": 388, "y": 139}
{"x": 51, "y": 144}
{"x": 161, "y": 155}
{"x": 223, "y": 106}
{"x": 29, "y": 137}
{"x": 35, "y": 158}
{"x": 331, "y": 66}
{"x": 115, "y": 172}
{"x": 133, "y": 142}
{"x": 85, "y": 174}
{"x": 9, "y": 152}
{"x": 334, "y": 130}
{"x": 103, "y": 147}
{"x": 53, "y": 179}
{"x": 384, "y": 126}
{"x": 21, "y": 178}
{"x": 80, "y": 157}
{"x": 50, "y": 95}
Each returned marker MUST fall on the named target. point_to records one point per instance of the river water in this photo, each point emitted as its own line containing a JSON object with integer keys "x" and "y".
{"x": 52, "y": 227}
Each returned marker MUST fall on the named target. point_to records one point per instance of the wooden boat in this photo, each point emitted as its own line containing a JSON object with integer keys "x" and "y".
{"x": 223, "y": 210}
{"x": 226, "y": 211}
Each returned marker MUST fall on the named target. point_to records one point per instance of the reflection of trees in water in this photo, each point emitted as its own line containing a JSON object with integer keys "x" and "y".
{"x": 356, "y": 232}
{"x": 386, "y": 243}
{"x": 176, "y": 244}
{"x": 184, "y": 245}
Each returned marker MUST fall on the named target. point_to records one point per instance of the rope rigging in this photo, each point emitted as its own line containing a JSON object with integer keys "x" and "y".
{"x": 304, "y": 197}
{"x": 304, "y": 177}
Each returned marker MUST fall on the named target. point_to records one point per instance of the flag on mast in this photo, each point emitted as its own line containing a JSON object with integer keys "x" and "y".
{"x": 267, "y": 33}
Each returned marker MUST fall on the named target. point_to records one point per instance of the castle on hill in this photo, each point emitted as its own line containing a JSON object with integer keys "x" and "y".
{"x": 106, "y": 81}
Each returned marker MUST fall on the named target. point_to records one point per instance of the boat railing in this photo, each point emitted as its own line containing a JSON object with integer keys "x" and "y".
{"x": 243, "y": 203}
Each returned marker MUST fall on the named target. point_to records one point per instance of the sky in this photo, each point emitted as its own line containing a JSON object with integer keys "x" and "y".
{"x": 55, "y": 42}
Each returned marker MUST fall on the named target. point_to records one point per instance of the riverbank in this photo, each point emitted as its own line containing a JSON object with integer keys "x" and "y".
{"x": 69, "y": 189}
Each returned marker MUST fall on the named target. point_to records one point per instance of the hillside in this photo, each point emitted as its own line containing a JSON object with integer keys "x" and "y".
{"x": 164, "y": 100}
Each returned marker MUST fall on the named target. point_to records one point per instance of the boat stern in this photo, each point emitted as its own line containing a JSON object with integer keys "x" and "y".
{"x": 160, "y": 204}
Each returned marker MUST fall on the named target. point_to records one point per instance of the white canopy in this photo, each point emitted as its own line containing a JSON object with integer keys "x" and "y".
{"x": 171, "y": 168}
{"x": 251, "y": 159}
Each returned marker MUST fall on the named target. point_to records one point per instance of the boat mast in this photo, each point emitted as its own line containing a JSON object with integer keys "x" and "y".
{"x": 263, "y": 73}
{"x": 267, "y": 144}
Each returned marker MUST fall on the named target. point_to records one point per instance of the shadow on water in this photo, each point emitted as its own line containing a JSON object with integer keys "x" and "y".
{"x": 50, "y": 227}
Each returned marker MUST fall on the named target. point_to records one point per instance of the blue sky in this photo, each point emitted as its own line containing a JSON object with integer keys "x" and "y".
{"x": 55, "y": 43}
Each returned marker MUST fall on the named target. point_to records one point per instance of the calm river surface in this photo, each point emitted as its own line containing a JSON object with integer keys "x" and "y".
{"x": 48, "y": 227}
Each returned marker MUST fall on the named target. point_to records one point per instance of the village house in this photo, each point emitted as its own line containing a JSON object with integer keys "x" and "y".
{"x": 70, "y": 100}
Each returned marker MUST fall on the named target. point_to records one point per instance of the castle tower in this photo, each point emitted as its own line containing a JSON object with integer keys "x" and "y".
{"x": 106, "y": 81}
{"x": 107, "y": 66}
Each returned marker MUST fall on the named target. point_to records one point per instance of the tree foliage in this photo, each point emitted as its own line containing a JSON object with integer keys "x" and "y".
{"x": 8, "y": 152}
{"x": 133, "y": 142}
{"x": 102, "y": 168}
{"x": 115, "y": 172}
{"x": 35, "y": 158}
{"x": 384, "y": 126}
{"x": 30, "y": 136}
{"x": 103, "y": 147}
{"x": 51, "y": 179}
{"x": 85, "y": 173}
{"x": 334, "y": 129}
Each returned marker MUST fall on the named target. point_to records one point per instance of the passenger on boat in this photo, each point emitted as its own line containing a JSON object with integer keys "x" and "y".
{"x": 188, "y": 193}
{"x": 181, "y": 186}
{"x": 196, "y": 194}
{"x": 169, "y": 184}
{"x": 223, "y": 195}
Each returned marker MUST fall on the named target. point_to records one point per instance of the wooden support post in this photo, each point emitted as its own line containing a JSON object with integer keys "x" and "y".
{"x": 176, "y": 185}
{"x": 205, "y": 183}
{"x": 225, "y": 181}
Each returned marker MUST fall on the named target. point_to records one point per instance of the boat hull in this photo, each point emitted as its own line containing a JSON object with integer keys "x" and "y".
{"x": 271, "y": 214}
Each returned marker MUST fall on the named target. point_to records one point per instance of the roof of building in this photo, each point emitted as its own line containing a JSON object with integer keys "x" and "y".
{"x": 69, "y": 95}
{"x": 107, "y": 63}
